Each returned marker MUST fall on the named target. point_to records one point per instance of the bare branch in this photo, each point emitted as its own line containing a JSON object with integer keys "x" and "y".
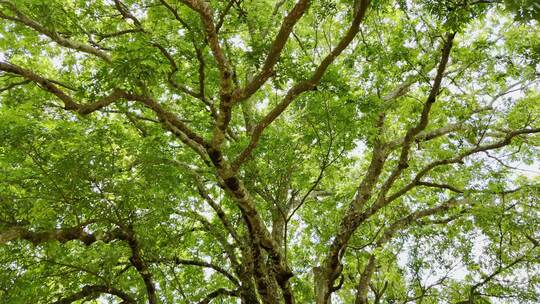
{"x": 47, "y": 85}
{"x": 174, "y": 67}
{"x": 365, "y": 278}
{"x": 124, "y": 11}
{"x": 216, "y": 232}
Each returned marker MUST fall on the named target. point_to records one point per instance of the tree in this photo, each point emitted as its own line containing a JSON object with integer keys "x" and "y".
{"x": 196, "y": 151}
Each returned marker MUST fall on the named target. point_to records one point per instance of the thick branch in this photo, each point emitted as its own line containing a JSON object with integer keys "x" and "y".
{"x": 303, "y": 86}
{"x": 275, "y": 50}
{"x": 424, "y": 118}
{"x": 365, "y": 278}
{"x": 429, "y": 135}
{"x": 171, "y": 121}
{"x": 61, "y": 235}
{"x": 226, "y": 74}
{"x": 127, "y": 15}
{"x": 441, "y": 186}
{"x": 457, "y": 159}
{"x": 354, "y": 217}
{"x": 92, "y": 290}
{"x": 64, "y": 235}
{"x": 47, "y": 85}
{"x": 217, "y": 293}
{"x": 206, "y": 13}
{"x": 141, "y": 266}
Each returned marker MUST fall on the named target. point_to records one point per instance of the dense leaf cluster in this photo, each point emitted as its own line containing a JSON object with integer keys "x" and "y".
{"x": 287, "y": 151}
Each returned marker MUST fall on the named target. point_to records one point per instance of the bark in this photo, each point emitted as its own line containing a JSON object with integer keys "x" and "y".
{"x": 355, "y": 216}
{"x": 221, "y": 292}
{"x": 61, "y": 235}
{"x": 320, "y": 285}
{"x": 141, "y": 266}
{"x": 363, "y": 286}
{"x": 94, "y": 290}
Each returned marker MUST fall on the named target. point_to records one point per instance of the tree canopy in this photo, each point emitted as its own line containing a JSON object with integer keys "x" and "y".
{"x": 258, "y": 151}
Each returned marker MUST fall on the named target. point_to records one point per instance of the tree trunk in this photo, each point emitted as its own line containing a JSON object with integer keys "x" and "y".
{"x": 322, "y": 292}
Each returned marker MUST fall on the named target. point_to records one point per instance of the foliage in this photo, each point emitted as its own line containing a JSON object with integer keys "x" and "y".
{"x": 197, "y": 151}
